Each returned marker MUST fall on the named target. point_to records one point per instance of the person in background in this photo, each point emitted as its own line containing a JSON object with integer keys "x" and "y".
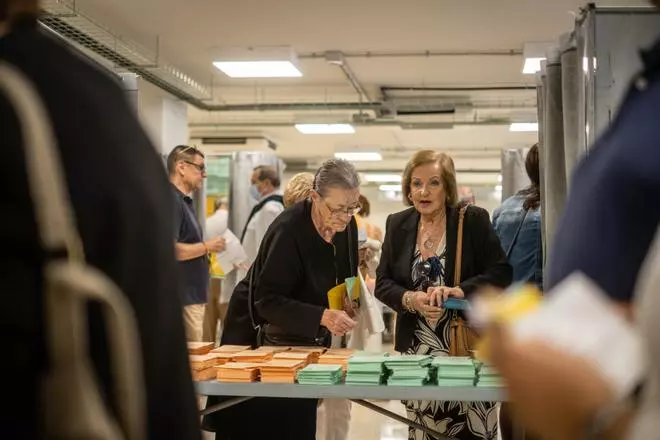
{"x": 216, "y": 306}
{"x": 518, "y": 224}
{"x": 416, "y": 274}
{"x": 123, "y": 209}
{"x": 187, "y": 171}
{"x": 299, "y": 188}
{"x": 606, "y": 233}
{"x": 265, "y": 190}
{"x": 373, "y": 231}
{"x": 309, "y": 249}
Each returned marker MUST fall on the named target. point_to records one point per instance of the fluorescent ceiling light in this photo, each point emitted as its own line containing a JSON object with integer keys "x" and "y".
{"x": 395, "y": 188}
{"x": 499, "y": 178}
{"x": 258, "y": 69}
{"x": 382, "y": 178}
{"x": 524, "y": 126}
{"x": 532, "y": 65}
{"x": 360, "y": 156}
{"x": 498, "y": 188}
{"x": 325, "y": 128}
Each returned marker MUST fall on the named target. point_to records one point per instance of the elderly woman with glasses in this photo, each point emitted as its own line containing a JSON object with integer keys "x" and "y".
{"x": 415, "y": 276}
{"x": 309, "y": 249}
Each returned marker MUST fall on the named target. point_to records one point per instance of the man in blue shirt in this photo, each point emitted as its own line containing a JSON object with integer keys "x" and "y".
{"x": 187, "y": 172}
{"x": 612, "y": 212}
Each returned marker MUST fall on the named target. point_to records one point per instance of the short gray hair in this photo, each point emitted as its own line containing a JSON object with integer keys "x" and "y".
{"x": 336, "y": 173}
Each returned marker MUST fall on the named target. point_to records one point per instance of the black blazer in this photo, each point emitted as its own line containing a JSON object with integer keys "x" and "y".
{"x": 294, "y": 269}
{"x": 484, "y": 261}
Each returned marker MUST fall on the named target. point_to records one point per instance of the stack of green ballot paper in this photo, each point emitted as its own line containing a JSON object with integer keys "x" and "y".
{"x": 487, "y": 376}
{"x": 319, "y": 374}
{"x": 409, "y": 370}
{"x": 366, "y": 369}
{"x": 455, "y": 371}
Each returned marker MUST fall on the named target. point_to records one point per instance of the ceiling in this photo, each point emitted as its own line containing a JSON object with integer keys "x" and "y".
{"x": 473, "y": 44}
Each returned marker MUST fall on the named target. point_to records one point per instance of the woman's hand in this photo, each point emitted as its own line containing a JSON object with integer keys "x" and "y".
{"x": 423, "y": 306}
{"x": 438, "y": 295}
{"x": 337, "y": 321}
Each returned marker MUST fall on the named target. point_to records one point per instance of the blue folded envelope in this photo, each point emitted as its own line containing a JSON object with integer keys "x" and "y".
{"x": 456, "y": 304}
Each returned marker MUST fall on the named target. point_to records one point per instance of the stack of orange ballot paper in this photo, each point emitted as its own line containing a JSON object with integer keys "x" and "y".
{"x": 199, "y": 348}
{"x": 314, "y": 352}
{"x": 281, "y": 371}
{"x": 202, "y": 366}
{"x": 238, "y": 372}
{"x": 337, "y": 356}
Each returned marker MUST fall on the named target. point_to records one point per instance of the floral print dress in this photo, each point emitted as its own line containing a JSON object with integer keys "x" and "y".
{"x": 460, "y": 420}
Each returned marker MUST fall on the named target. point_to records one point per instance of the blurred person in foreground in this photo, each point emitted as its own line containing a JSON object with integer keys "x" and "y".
{"x": 518, "y": 224}
{"x": 187, "y": 170}
{"x": 416, "y": 273}
{"x": 123, "y": 209}
{"x": 606, "y": 233}
{"x": 309, "y": 249}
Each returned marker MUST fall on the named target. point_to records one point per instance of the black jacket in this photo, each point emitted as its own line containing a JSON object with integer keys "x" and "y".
{"x": 295, "y": 268}
{"x": 484, "y": 261}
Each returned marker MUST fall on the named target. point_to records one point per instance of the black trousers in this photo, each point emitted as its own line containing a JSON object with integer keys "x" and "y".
{"x": 259, "y": 418}
{"x": 510, "y": 430}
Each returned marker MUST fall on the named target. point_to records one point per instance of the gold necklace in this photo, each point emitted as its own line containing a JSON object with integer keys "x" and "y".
{"x": 429, "y": 242}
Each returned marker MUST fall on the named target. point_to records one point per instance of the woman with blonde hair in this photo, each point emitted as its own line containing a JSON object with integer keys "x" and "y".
{"x": 416, "y": 275}
{"x": 299, "y": 188}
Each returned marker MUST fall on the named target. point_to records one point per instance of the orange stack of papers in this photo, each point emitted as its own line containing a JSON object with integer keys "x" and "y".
{"x": 281, "y": 371}
{"x": 238, "y": 372}
{"x": 252, "y": 356}
{"x": 272, "y": 349}
{"x": 314, "y": 352}
{"x": 202, "y": 366}
{"x": 199, "y": 348}
{"x": 335, "y": 358}
{"x": 230, "y": 349}
{"x": 292, "y": 356}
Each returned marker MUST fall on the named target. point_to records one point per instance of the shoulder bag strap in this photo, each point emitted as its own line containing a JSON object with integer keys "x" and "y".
{"x": 515, "y": 237}
{"x": 459, "y": 246}
{"x": 69, "y": 285}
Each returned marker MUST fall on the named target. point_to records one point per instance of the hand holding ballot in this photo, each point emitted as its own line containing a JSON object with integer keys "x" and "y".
{"x": 229, "y": 256}
{"x": 216, "y": 244}
{"x": 337, "y": 321}
{"x": 589, "y": 358}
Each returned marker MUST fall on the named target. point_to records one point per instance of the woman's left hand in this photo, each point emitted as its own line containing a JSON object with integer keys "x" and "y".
{"x": 438, "y": 295}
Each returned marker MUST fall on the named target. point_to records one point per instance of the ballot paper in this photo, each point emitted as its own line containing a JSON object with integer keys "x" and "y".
{"x": 233, "y": 254}
{"x": 578, "y": 318}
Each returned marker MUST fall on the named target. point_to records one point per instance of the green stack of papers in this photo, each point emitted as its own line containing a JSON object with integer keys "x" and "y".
{"x": 487, "y": 376}
{"x": 366, "y": 369}
{"x": 320, "y": 374}
{"x": 455, "y": 371}
{"x": 409, "y": 370}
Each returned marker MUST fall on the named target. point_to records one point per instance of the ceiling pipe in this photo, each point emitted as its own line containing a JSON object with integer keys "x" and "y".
{"x": 337, "y": 58}
{"x": 419, "y": 53}
{"x": 376, "y": 123}
{"x": 530, "y": 88}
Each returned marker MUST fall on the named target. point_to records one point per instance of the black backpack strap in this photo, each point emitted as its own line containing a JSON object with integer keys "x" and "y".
{"x": 272, "y": 198}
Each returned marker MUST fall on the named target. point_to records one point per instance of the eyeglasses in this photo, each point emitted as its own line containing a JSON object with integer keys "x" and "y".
{"x": 349, "y": 211}
{"x": 200, "y": 167}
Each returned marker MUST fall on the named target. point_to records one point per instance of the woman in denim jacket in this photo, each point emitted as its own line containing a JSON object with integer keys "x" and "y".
{"x": 518, "y": 224}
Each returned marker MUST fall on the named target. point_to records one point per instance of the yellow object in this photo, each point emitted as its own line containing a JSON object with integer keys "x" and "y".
{"x": 216, "y": 269}
{"x": 336, "y": 297}
{"x": 507, "y": 309}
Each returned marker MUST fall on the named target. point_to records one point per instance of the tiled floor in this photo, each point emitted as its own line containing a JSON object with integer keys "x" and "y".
{"x": 368, "y": 425}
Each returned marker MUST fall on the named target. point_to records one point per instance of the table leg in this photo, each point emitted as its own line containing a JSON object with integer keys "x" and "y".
{"x": 401, "y": 419}
{"x": 224, "y": 405}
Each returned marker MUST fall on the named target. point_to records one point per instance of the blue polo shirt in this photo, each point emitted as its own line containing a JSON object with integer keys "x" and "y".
{"x": 613, "y": 208}
{"x": 194, "y": 274}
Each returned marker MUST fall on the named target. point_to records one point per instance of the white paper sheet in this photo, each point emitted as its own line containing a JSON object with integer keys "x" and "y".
{"x": 578, "y": 318}
{"x": 233, "y": 254}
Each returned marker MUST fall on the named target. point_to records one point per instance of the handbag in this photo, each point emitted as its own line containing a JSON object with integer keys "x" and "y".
{"x": 72, "y": 403}
{"x": 462, "y": 339}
